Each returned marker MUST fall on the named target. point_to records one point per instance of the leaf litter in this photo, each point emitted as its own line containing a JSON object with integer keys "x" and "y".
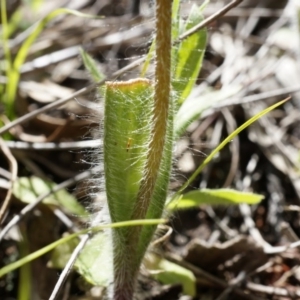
{"x": 249, "y": 64}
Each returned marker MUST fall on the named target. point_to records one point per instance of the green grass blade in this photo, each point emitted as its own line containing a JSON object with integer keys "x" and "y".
{"x": 225, "y": 142}
{"x": 17, "y": 264}
{"x": 24, "y": 289}
{"x": 150, "y": 55}
{"x": 91, "y": 66}
{"x": 214, "y": 197}
{"x": 14, "y": 23}
{"x": 7, "y": 54}
{"x": 5, "y": 34}
{"x": 22, "y": 53}
{"x": 13, "y": 73}
{"x": 193, "y": 107}
{"x": 175, "y": 12}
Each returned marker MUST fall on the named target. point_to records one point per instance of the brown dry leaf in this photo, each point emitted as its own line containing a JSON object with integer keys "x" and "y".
{"x": 230, "y": 254}
{"x": 45, "y": 91}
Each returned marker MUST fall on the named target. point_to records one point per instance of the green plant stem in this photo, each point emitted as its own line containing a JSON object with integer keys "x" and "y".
{"x": 125, "y": 282}
{"x": 24, "y": 289}
{"x": 160, "y": 114}
{"x": 5, "y": 34}
{"x": 161, "y": 107}
{"x": 4, "y": 40}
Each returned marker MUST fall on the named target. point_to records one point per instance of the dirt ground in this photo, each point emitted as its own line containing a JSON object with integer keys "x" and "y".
{"x": 253, "y": 55}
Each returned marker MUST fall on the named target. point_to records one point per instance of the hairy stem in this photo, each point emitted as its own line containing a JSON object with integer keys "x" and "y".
{"x": 124, "y": 288}
{"x": 161, "y": 107}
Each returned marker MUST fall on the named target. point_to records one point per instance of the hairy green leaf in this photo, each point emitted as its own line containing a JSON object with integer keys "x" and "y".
{"x": 127, "y": 130}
